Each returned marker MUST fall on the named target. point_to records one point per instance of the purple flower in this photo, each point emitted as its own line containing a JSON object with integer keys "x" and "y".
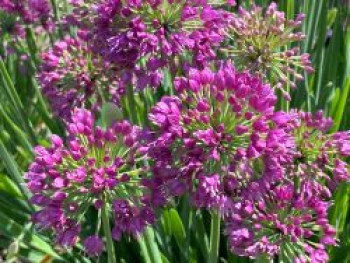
{"x": 317, "y": 155}
{"x": 281, "y": 221}
{"x": 71, "y": 76}
{"x": 261, "y": 49}
{"x": 69, "y": 236}
{"x": 130, "y": 219}
{"x": 215, "y": 125}
{"x": 93, "y": 246}
{"x": 166, "y": 114}
{"x": 94, "y": 168}
{"x": 156, "y": 33}
{"x": 209, "y": 193}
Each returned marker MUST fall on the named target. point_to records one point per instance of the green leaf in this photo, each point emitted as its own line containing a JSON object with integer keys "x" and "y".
{"x": 11, "y": 229}
{"x": 22, "y": 138}
{"x": 334, "y": 102}
{"x": 166, "y": 222}
{"x": 164, "y": 259}
{"x": 177, "y": 227}
{"x": 341, "y": 106}
{"x": 341, "y": 207}
{"x": 6, "y": 185}
{"x": 16, "y": 103}
{"x": 331, "y": 16}
{"x": 13, "y": 169}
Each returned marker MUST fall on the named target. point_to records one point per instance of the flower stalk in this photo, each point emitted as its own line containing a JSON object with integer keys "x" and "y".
{"x": 108, "y": 234}
{"x": 214, "y": 237}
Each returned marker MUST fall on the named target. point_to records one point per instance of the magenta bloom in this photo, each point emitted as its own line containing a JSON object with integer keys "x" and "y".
{"x": 93, "y": 246}
{"x": 209, "y": 193}
{"x": 148, "y": 36}
{"x": 72, "y": 77}
{"x": 259, "y": 39}
{"x": 281, "y": 222}
{"x": 320, "y": 155}
{"x": 95, "y": 168}
{"x": 218, "y": 118}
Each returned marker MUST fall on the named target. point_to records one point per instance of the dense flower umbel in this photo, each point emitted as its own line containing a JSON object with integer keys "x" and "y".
{"x": 260, "y": 44}
{"x": 284, "y": 221}
{"x": 97, "y": 168}
{"x": 71, "y": 76}
{"x": 290, "y": 214}
{"x": 22, "y": 12}
{"x": 150, "y": 34}
{"x": 217, "y": 118}
{"x": 320, "y": 156}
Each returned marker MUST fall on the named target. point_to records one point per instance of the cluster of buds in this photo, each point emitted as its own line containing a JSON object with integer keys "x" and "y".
{"x": 319, "y": 156}
{"x": 98, "y": 169}
{"x": 261, "y": 43}
{"x": 146, "y": 36}
{"x": 72, "y": 76}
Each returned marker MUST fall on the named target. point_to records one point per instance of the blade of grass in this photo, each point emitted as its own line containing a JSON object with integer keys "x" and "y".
{"x": 13, "y": 170}
{"x": 12, "y": 229}
{"x": 16, "y": 103}
{"x": 337, "y": 117}
{"x": 17, "y": 131}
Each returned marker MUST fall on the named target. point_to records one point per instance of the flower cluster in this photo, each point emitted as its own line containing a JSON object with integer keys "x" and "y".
{"x": 17, "y": 13}
{"x": 284, "y": 222}
{"x": 217, "y": 119}
{"x": 261, "y": 40}
{"x": 319, "y": 156}
{"x": 270, "y": 174}
{"x": 289, "y": 219}
{"x": 72, "y": 76}
{"x": 146, "y": 36}
{"x": 98, "y": 169}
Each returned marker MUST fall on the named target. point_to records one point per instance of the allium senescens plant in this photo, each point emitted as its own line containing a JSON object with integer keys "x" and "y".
{"x": 165, "y": 121}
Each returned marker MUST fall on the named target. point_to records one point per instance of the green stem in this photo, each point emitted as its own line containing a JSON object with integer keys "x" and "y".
{"x": 32, "y": 47}
{"x": 152, "y": 246}
{"x": 108, "y": 234}
{"x": 57, "y": 17}
{"x": 144, "y": 250}
{"x": 214, "y": 238}
{"x": 132, "y": 104}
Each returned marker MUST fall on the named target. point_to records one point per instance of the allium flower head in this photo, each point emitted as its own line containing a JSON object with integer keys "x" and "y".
{"x": 319, "y": 156}
{"x": 218, "y": 118}
{"x": 283, "y": 222}
{"x": 97, "y": 168}
{"x": 71, "y": 76}
{"x": 150, "y": 34}
{"x": 222, "y": 110}
{"x": 260, "y": 40}
{"x": 25, "y": 12}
